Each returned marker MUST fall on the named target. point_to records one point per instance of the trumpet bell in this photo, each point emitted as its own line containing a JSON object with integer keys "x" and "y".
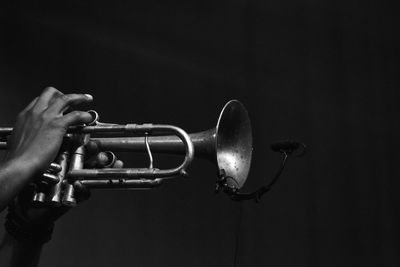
{"x": 234, "y": 143}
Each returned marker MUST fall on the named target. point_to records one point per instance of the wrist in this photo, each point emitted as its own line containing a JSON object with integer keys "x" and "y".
{"x": 26, "y": 232}
{"x": 14, "y": 176}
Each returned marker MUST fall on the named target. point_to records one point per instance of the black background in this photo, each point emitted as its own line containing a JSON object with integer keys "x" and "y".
{"x": 323, "y": 72}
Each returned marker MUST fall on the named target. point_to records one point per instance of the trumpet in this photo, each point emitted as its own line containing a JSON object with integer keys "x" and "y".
{"x": 228, "y": 146}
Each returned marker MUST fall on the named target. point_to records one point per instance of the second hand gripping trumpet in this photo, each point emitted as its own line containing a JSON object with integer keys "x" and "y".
{"x": 228, "y": 146}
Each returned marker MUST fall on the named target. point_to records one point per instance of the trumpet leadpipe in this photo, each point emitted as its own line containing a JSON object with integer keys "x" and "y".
{"x": 122, "y": 183}
{"x": 125, "y": 173}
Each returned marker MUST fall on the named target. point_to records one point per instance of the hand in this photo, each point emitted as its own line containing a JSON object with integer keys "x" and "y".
{"x": 41, "y": 126}
{"x": 36, "y": 139}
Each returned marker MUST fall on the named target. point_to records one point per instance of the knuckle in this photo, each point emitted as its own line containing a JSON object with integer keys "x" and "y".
{"x": 33, "y": 113}
{"x": 65, "y": 98}
{"x": 21, "y": 115}
{"x": 58, "y": 123}
{"x": 51, "y": 89}
{"x": 46, "y": 116}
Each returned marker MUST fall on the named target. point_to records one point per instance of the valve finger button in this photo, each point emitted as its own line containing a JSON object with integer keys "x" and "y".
{"x": 50, "y": 178}
{"x": 54, "y": 168}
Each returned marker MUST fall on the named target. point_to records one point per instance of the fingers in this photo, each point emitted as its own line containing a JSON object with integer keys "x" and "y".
{"x": 54, "y": 101}
{"x": 76, "y": 118}
{"x": 57, "y": 102}
{"x": 63, "y": 102}
{"x": 92, "y": 147}
{"x": 105, "y": 159}
{"x": 100, "y": 160}
{"x": 118, "y": 164}
{"x": 44, "y": 100}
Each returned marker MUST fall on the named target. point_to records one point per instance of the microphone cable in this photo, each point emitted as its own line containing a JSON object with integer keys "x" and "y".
{"x": 286, "y": 148}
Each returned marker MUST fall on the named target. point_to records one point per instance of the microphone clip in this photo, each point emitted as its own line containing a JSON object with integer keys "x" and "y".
{"x": 286, "y": 148}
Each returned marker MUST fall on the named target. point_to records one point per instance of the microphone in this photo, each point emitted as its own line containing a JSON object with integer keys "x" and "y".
{"x": 286, "y": 145}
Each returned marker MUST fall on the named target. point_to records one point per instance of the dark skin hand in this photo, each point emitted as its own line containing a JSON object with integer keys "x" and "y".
{"x": 41, "y": 126}
{"x": 37, "y": 137}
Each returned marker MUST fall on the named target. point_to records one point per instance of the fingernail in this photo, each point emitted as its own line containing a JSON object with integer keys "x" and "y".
{"x": 89, "y": 96}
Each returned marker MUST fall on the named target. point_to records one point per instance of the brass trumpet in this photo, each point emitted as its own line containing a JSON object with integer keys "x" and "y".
{"x": 228, "y": 146}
